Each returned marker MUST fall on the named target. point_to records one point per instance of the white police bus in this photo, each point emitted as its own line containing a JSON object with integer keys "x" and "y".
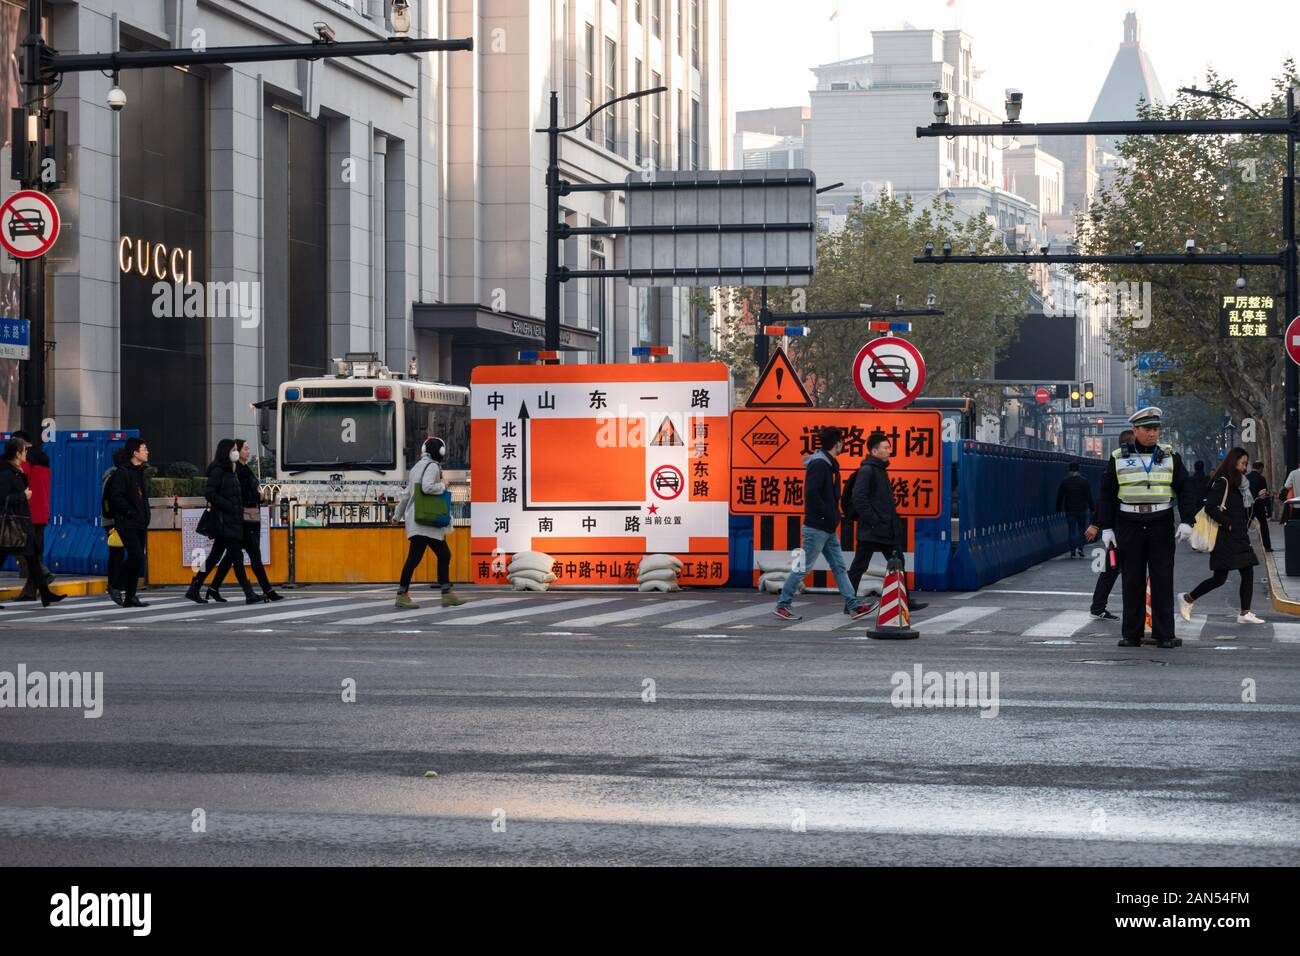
{"x": 363, "y": 424}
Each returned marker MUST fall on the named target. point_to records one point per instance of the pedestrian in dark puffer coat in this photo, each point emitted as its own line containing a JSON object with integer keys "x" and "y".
{"x": 1226, "y": 503}
{"x": 251, "y": 537}
{"x": 226, "y": 517}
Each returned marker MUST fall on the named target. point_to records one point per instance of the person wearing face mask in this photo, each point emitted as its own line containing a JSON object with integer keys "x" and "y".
{"x": 251, "y": 541}
{"x": 427, "y": 476}
{"x": 1230, "y": 503}
{"x": 225, "y": 526}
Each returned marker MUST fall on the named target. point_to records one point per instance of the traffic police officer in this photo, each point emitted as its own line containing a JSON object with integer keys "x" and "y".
{"x": 1139, "y": 489}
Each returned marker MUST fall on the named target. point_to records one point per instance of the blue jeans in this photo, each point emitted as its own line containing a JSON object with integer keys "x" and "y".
{"x": 1077, "y": 522}
{"x": 816, "y": 543}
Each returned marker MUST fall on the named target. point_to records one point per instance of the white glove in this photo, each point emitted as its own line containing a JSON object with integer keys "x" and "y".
{"x": 1183, "y": 533}
{"x": 1108, "y": 538}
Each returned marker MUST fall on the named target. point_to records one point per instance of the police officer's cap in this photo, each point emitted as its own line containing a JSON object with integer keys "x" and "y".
{"x": 1145, "y": 416}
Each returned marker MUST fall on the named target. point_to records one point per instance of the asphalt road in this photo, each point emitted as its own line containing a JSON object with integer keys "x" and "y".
{"x": 764, "y": 743}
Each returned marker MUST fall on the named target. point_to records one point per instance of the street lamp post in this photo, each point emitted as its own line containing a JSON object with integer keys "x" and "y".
{"x": 1288, "y": 126}
{"x": 555, "y": 188}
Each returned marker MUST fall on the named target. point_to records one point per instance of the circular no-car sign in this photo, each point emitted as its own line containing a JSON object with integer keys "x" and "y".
{"x": 29, "y": 224}
{"x": 1292, "y": 339}
{"x": 667, "y": 482}
{"x": 889, "y": 372}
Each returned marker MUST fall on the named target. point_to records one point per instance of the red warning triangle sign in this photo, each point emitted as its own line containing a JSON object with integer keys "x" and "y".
{"x": 667, "y": 434}
{"x": 779, "y": 386}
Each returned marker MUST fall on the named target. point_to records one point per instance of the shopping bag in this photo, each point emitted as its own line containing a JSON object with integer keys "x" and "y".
{"x": 1205, "y": 532}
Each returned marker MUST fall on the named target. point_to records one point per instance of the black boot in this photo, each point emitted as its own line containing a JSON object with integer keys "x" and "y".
{"x": 193, "y": 592}
{"x": 215, "y": 595}
{"x": 251, "y": 596}
{"x": 48, "y": 597}
{"x": 272, "y": 595}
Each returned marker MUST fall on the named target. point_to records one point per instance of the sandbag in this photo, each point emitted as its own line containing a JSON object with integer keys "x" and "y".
{"x": 663, "y": 574}
{"x": 541, "y": 577}
{"x": 783, "y": 563}
{"x": 658, "y": 586}
{"x": 523, "y": 584}
{"x": 530, "y": 561}
{"x": 658, "y": 562}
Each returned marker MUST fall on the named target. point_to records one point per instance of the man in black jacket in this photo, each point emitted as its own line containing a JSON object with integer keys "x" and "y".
{"x": 129, "y": 504}
{"x": 880, "y": 527}
{"x": 821, "y": 503}
{"x": 1075, "y": 497}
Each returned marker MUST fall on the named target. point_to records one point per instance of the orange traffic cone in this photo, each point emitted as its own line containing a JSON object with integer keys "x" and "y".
{"x": 893, "y": 622}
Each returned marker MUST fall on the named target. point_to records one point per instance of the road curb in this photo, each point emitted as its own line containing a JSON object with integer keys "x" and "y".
{"x": 1276, "y": 593}
{"x": 73, "y": 587}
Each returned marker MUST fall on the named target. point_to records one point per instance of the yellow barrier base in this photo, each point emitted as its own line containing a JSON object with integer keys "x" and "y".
{"x": 325, "y": 556}
{"x": 73, "y": 587}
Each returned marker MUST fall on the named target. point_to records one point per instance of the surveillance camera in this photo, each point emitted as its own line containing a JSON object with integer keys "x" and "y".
{"x": 324, "y": 32}
{"x": 929, "y": 248}
{"x": 930, "y": 300}
{"x": 1044, "y": 249}
{"x": 947, "y": 248}
{"x": 401, "y": 18}
{"x": 1241, "y": 282}
{"x": 1223, "y": 247}
{"x": 1015, "y": 100}
{"x": 940, "y": 106}
{"x": 1137, "y": 246}
{"x": 898, "y": 302}
{"x": 1191, "y": 245}
{"x": 116, "y": 99}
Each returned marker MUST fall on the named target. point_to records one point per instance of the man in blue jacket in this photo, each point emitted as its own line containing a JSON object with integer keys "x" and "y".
{"x": 821, "y": 518}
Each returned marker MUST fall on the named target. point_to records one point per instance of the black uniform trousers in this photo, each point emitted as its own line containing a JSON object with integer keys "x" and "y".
{"x": 1146, "y": 545}
{"x": 1260, "y": 511}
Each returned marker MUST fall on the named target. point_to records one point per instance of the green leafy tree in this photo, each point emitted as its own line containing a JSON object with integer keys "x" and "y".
{"x": 870, "y": 261}
{"x": 1213, "y": 189}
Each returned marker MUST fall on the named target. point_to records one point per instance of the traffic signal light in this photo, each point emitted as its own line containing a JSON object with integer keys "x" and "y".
{"x": 1075, "y": 395}
{"x": 1088, "y": 394}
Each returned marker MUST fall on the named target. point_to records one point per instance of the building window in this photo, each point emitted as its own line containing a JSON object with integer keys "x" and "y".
{"x": 656, "y": 16}
{"x": 611, "y": 91}
{"x": 680, "y": 20}
{"x": 638, "y": 116}
{"x": 656, "y": 121}
{"x": 589, "y": 88}
{"x": 638, "y": 15}
{"x": 598, "y": 301}
{"x": 695, "y": 134}
{"x": 695, "y": 33}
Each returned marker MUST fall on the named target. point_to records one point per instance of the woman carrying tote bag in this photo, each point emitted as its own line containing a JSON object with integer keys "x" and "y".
{"x": 1229, "y": 503}
{"x": 425, "y": 483}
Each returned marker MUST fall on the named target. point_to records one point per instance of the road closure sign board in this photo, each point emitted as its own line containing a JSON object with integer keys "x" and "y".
{"x": 889, "y": 372}
{"x": 29, "y": 224}
{"x": 769, "y": 445}
{"x": 598, "y": 466}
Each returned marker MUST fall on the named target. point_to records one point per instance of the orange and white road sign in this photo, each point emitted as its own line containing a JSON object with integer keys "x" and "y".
{"x": 599, "y": 465}
{"x": 769, "y": 445}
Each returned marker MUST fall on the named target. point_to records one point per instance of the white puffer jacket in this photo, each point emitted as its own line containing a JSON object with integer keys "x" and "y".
{"x": 429, "y": 475}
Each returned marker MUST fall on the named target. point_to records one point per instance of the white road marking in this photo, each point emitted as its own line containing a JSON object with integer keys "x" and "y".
{"x": 1286, "y": 632}
{"x": 952, "y": 620}
{"x": 828, "y": 622}
{"x": 282, "y": 615}
{"x": 734, "y": 613}
{"x": 1066, "y": 593}
{"x": 419, "y": 614}
{"x": 195, "y": 610}
{"x": 133, "y": 612}
{"x": 542, "y": 607}
{"x": 629, "y": 613}
{"x": 1064, "y": 624}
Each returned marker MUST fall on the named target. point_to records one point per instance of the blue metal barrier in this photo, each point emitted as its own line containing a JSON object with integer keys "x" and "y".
{"x": 75, "y": 542}
{"x": 1005, "y": 504}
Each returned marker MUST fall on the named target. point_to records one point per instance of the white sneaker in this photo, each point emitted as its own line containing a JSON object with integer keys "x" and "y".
{"x": 1185, "y": 607}
{"x": 1249, "y": 618}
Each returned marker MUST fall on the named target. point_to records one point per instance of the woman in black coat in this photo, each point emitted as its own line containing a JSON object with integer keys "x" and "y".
{"x": 251, "y": 539}
{"x": 1225, "y": 503}
{"x": 225, "y": 526}
{"x": 14, "y": 497}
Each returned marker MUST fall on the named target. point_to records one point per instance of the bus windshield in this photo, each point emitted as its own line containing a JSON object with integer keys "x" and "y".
{"x": 344, "y": 436}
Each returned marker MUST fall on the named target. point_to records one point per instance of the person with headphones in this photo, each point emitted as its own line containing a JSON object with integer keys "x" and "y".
{"x": 427, "y": 476}
{"x": 1142, "y": 483}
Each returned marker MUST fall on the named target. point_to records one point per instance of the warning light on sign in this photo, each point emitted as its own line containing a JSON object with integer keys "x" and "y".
{"x": 534, "y": 356}
{"x": 795, "y": 330}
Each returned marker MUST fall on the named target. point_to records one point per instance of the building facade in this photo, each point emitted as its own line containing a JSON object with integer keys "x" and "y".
{"x": 390, "y": 204}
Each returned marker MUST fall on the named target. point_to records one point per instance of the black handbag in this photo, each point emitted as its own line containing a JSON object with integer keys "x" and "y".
{"x": 14, "y": 531}
{"x": 207, "y": 525}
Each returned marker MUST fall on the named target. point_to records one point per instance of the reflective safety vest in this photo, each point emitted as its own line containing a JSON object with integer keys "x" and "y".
{"x": 1139, "y": 486}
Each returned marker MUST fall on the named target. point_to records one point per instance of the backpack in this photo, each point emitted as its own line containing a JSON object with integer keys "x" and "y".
{"x": 846, "y": 498}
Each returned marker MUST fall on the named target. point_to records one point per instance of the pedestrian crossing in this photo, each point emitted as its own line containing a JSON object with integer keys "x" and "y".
{"x": 682, "y": 614}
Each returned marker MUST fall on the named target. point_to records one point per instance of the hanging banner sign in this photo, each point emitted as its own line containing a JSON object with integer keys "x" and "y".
{"x": 598, "y": 466}
{"x": 1245, "y": 316}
